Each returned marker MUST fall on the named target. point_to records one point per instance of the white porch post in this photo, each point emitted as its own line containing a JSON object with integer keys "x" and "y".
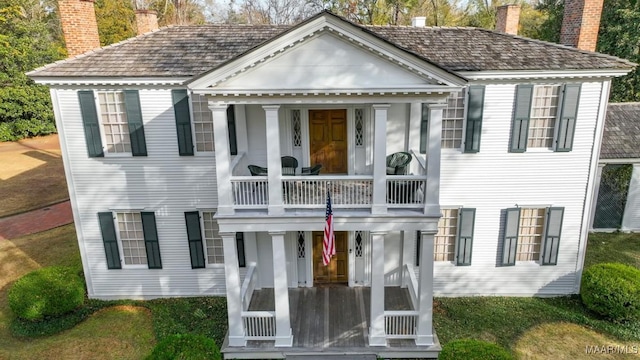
{"x": 432, "y": 196}
{"x": 596, "y": 192}
{"x": 273, "y": 159}
{"x": 284, "y": 336}
{"x": 377, "y": 334}
{"x": 232, "y": 278}
{"x": 379, "y": 159}
{"x": 425, "y": 291}
{"x": 223, "y": 157}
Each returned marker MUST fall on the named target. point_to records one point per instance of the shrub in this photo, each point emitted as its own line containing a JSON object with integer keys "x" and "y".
{"x": 50, "y": 291}
{"x": 185, "y": 346}
{"x": 612, "y": 290}
{"x": 470, "y": 349}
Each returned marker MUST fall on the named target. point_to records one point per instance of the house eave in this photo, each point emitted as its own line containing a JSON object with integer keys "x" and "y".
{"x": 501, "y": 75}
{"x": 109, "y": 81}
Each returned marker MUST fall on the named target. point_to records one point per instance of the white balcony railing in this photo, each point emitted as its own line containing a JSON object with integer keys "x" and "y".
{"x": 405, "y": 190}
{"x": 250, "y": 191}
{"x": 248, "y": 286}
{"x": 259, "y": 325}
{"x": 411, "y": 282}
{"x": 311, "y": 191}
{"x": 401, "y": 324}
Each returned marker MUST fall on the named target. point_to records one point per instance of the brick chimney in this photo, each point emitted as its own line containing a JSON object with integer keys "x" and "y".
{"x": 507, "y": 19}
{"x": 146, "y": 21}
{"x": 79, "y": 26}
{"x": 580, "y": 23}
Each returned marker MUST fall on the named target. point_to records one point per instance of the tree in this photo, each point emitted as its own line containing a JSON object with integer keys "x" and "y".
{"x": 620, "y": 36}
{"x": 27, "y": 42}
{"x": 116, "y": 19}
{"x": 175, "y": 12}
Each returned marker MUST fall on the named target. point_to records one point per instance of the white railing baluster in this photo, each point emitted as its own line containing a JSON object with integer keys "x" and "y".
{"x": 405, "y": 191}
{"x": 259, "y": 325}
{"x": 401, "y": 324}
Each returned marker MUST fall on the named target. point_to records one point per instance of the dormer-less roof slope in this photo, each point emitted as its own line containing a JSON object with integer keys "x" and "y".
{"x": 621, "y": 138}
{"x": 187, "y": 51}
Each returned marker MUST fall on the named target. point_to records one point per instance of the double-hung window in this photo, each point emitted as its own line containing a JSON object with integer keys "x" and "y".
{"x": 194, "y": 124}
{"x": 112, "y": 121}
{"x": 545, "y": 117}
{"x": 205, "y": 243}
{"x": 130, "y": 239}
{"x": 461, "y": 121}
{"x": 454, "y": 240}
{"x": 532, "y": 234}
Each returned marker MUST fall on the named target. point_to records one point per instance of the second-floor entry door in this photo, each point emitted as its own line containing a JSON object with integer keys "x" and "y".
{"x": 328, "y": 140}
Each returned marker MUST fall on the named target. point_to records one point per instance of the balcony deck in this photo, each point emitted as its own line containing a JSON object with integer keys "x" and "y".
{"x": 331, "y": 321}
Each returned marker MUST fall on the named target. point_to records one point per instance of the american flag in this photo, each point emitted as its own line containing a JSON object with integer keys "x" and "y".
{"x": 329, "y": 241}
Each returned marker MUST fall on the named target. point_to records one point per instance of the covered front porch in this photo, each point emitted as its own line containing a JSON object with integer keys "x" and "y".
{"x": 331, "y": 321}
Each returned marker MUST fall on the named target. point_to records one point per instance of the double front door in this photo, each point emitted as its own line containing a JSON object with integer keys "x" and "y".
{"x": 338, "y": 270}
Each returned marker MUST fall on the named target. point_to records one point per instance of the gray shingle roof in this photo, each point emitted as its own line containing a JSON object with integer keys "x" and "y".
{"x": 185, "y": 51}
{"x": 621, "y": 138}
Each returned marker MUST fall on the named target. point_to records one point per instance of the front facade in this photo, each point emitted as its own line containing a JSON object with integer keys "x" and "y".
{"x": 179, "y": 189}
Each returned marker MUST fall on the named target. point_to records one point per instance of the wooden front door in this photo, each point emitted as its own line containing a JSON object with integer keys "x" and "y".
{"x": 328, "y": 140}
{"x": 338, "y": 269}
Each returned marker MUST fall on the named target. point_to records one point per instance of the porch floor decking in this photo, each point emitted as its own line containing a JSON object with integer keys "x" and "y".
{"x": 331, "y": 320}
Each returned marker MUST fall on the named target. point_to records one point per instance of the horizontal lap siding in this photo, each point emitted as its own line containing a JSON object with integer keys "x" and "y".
{"x": 162, "y": 182}
{"x": 494, "y": 179}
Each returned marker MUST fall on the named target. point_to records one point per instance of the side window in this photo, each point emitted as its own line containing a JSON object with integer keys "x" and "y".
{"x": 532, "y": 235}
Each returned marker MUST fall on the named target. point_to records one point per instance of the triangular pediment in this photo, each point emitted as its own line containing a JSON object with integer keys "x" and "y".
{"x": 326, "y": 53}
{"x": 325, "y": 62}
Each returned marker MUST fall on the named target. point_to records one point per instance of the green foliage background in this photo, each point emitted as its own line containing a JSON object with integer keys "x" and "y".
{"x": 27, "y": 41}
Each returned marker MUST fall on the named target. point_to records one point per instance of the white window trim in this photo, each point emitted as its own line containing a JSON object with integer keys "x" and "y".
{"x": 460, "y": 148}
{"x": 455, "y": 237}
{"x": 544, "y": 230}
{"x": 103, "y": 136}
{"x": 192, "y": 116}
{"x": 124, "y": 265}
{"x": 204, "y": 240}
{"x": 558, "y": 111}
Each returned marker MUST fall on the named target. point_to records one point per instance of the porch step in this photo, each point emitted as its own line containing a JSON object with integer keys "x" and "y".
{"x": 331, "y": 357}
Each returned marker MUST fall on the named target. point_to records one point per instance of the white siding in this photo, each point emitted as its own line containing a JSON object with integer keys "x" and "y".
{"x": 494, "y": 179}
{"x": 631, "y": 219}
{"x": 162, "y": 182}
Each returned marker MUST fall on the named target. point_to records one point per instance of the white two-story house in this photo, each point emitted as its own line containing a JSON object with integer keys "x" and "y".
{"x": 173, "y": 144}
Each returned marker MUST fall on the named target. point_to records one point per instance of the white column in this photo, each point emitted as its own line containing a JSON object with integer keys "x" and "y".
{"x": 377, "y": 336}
{"x": 596, "y": 191}
{"x": 415, "y": 119}
{"x": 380, "y": 159}
{"x": 425, "y": 291}
{"x": 223, "y": 157}
{"x": 232, "y": 278}
{"x": 284, "y": 336}
{"x": 273, "y": 159}
{"x": 432, "y": 196}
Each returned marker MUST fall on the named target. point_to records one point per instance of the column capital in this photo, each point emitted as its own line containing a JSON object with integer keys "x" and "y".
{"x": 276, "y": 233}
{"x": 436, "y": 106}
{"x": 227, "y": 234}
{"x": 271, "y": 107}
{"x": 381, "y": 106}
{"x": 215, "y": 105}
{"x": 428, "y": 232}
{"x": 378, "y": 232}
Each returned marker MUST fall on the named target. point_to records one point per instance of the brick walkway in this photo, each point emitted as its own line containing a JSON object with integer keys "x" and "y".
{"x": 36, "y": 221}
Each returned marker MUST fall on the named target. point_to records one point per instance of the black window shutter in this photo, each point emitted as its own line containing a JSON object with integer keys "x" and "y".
{"x": 194, "y": 236}
{"x": 424, "y": 129}
{"x": 521, "y": 115}
{"x": 110, "y": 240}
{"x": 510, "y": 237}
{"x": 231, "y": 122}
{"x": 552, "y": 232}
{"x": 566, "y": 124}
{"x": 464, "y": 245}
{"x": 475, "y": 107}
{"x": 151, "y": 240}
{"x": 242, "y": 262}
{"x": 183, "y": 121}
{"x": 134, "y": 119}
{"x": 90, "y": 123}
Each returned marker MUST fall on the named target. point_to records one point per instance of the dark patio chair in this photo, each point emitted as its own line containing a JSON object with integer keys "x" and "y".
{"x": 313, "y": 170}
{"x": 256, "y": 170}
{"x": 397, "y": 163}
{"x": 289, "y": 165}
